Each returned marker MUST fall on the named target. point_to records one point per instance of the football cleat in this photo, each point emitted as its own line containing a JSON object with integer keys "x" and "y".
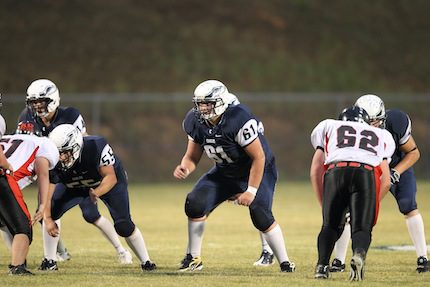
{"x": 422, "y": 264}
{"x": 287, "y": 266}
{"x": 190, "y": 263}
{"x": 337, "y": 266}
{"x": 266, "y": 259}
{"x": 148, "y": 266}
{"x": 63, "y": 255}
{"x": 322, "y": 272}
{"x": 125, "y": 257}
{"x": 19, "y": 270}
{"x": 357, "y": 268}
{"x": 48, "y": 265}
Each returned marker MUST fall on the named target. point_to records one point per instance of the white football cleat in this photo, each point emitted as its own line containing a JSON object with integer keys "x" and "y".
{"x": 125, "y": 257}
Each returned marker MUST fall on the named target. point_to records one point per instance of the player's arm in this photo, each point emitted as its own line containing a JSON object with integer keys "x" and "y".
{"x": 412, "y": 154}
{"x": 109, "y": 180}
{"x": 50, "y": 225}
{"x": 4, "y": 164}
{"x": 385, "y": 179}
{"x": 256, "y": 153}
{"x": 317, "y": 173}
{"x": 41, "y": 167}
{"x": 189, "y": 161}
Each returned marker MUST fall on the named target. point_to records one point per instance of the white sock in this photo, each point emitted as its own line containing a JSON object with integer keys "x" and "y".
{"x": 137, "y": 244}
{"x": 195, "y": 237}
{"x": 50, "y": 243}
{"x": 276, "y": 241}
{"x": 109, "y": 233}
{"x": 60, "y": 247}
{"x": 7, "y": 237}
{"x": 415, "y": 226}
{"x": 264, "y": 244}
{"x": 341, "y": 246}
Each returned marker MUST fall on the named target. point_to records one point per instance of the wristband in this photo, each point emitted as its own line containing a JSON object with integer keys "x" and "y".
{"x": 252, "y": 190}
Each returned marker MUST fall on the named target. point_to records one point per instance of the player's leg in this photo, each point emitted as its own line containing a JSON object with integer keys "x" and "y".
{"x": 17, "y": 218}
{"x": 6, "y": 235}
{"x": 92, "y": 215}
{"x": 117, "y": 202}
{"x": 263, "y": 219}
{"x": 62, "y": 200}
{"x": 209, "y": 191}
{"x": 334, "y": 207}
{"x": 364, "y": 208}
{"x": 266, "y": 256}
{"x": 341, "y": 247}
{"x": 405, "y": 193}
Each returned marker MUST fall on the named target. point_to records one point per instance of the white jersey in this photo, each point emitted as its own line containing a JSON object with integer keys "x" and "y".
{"x": 352, "y": 141}
{"x": 21, "y": 151}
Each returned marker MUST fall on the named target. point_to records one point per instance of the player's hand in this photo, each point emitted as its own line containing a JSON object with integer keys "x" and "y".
{"x": 395, "y": 176}
{"x": 38, "y": 216}
{"x": 93, "y": 195}
{"x": 51, "y": 227}
{"x": 8, "y": 169}
{"x": 181, "y": 172}
{"x": 234, "y": 198}
{"x": 245, "y": 198}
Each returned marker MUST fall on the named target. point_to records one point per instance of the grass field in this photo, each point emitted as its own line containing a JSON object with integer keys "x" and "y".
{"x": 230, "y": 246}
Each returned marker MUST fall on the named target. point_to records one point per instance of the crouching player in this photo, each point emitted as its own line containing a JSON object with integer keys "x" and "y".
{"x": 88, "y": 168}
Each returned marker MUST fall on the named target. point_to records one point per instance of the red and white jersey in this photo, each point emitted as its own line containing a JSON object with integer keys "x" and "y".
{"x": 352, "y": 141}
{"x": 21, "y": 151}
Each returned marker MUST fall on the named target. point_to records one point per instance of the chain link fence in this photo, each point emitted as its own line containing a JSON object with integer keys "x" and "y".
{"x": 145, "y": 130}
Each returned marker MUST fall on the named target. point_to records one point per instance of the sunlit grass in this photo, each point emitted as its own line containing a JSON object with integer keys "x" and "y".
{"x": 231, "y": 244}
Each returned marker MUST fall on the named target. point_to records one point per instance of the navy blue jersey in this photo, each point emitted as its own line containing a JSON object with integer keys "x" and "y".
{"x": 225, "y": 142}
{"x": 63, "y": 115}
{"x": 399, "y": 125}
{"x": 84, "y": 173}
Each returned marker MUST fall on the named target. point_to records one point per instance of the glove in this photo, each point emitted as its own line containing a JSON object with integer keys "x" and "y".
{"x": 395, "y": 176}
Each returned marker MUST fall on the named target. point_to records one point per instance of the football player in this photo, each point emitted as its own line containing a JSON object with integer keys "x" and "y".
{"x": 44, "y": 110}
{"x": 353, "y": 157}
{"x": 88, "y": 170}
{"x": 403, "y": 181}
{"x": 30, "y": 157}
{"x": 244, "y": 170}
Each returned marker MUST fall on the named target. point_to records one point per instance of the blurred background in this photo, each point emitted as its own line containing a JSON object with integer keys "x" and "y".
{"x": 131, "y": 67}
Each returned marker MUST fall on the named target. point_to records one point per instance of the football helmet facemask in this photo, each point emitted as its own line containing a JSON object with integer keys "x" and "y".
{"x": 42, "y": 97}
{"x": 69, "y": 141}
{"x": 211, "y": 99}
{"x": 354, "y": 114}
{"x": 374, "y": 107}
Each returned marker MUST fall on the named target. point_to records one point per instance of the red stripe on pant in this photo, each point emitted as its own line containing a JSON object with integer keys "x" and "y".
{"x": 18, "y": 196}
{"x": 377, "y": 172}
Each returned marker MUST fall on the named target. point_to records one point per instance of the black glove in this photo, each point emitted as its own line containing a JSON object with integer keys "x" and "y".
{"x": 395, "y": 176}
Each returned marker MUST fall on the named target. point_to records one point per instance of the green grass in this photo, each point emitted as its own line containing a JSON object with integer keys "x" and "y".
{"x": 231, "y": 244}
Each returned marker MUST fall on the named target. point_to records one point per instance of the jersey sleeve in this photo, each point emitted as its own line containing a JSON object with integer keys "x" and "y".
{"x": 188, "y": 125}
{"x": 73, "y": 116}
{"x": 48, "y": 150}
{"x": 242, "y": 125}
{"x": 318, "y": 135}
{"x": 107, "y": 156}
{"x": 389, "y": 145}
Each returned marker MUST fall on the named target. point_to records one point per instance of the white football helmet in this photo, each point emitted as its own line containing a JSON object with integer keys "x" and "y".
{"x": 45, "y": 91}
{"x": 215, "y": 93}
{"x": 374, "y": 107}
{"x": 2, "y": 126}
{"x": 69, "y": 141}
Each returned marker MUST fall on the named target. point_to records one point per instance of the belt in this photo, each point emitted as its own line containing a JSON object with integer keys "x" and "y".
{"x": 349, "y": 164}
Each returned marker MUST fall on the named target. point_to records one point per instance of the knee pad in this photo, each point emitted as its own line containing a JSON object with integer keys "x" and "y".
{"x": 90, "y": 214}
{"x": 262, "y": 218}
{"x": 124, "y": 228}
{"x": 406, "y": 205}
{"x": 194, "y": 208}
